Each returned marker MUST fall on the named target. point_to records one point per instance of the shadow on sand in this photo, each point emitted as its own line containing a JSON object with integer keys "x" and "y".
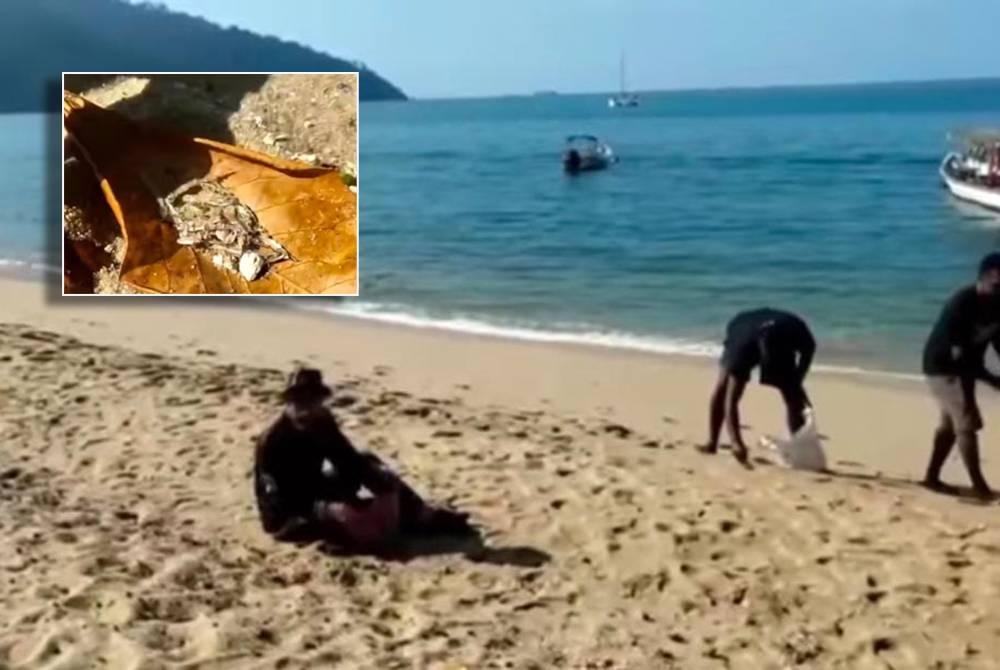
{"x": 965, "y": 494}
{"x": 472, "y": 546}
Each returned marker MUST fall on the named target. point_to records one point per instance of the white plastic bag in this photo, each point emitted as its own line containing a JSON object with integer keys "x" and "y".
{"x": 803, "y": 450}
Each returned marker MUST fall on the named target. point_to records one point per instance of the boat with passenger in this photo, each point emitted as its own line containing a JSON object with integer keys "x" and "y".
{"x": 972, "y": 173}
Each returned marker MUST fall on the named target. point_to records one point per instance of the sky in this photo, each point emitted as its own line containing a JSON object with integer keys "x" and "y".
{"x": 459, "y": 48}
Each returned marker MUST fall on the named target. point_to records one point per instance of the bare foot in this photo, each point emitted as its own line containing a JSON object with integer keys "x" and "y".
{"x": 939, "y": 486}
{"x": 741, "y": 455}
{"x": 706, "y": 448}
{"x": 984, "y": 493}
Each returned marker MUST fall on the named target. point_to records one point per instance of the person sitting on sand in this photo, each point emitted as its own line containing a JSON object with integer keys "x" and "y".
{"x": 954, "y": 360}
{"x": 309, "y": 477}
{"x": 781, "y": 344}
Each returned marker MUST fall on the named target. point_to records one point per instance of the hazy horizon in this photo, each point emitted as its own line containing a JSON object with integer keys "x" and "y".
{"x": 698, "y": 89}
{"x": 454, "y": 49}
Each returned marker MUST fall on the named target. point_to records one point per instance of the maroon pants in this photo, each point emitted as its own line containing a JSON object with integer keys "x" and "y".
{"x": 375, "y": 521}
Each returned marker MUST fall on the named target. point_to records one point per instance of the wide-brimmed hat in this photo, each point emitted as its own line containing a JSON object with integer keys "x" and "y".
{"x": 306, "y": 384}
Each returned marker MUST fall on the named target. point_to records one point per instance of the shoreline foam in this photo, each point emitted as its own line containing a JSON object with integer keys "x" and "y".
{"x": 582, "y": 335}
{"x": 27, "y": 270}
{"x": 610, "y": 339}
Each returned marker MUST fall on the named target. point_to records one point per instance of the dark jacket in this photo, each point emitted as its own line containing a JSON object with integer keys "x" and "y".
{"x": 957, "y": 344}
{"x": 288, "y": 470}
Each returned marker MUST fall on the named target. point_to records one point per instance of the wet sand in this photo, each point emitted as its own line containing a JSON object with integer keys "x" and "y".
{"x": 130, "y": 537}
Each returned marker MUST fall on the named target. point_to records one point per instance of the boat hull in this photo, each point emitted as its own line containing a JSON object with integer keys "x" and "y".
{"x": 965, "y": 190}
{"x": 600, "y": 158}
{"x": 622, "y": 102}
{"x": 586, "y": 165}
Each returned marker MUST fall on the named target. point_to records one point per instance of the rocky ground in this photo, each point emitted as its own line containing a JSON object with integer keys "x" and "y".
{"x": 310, "y": 117}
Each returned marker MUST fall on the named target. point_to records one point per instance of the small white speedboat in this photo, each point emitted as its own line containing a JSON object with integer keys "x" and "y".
{"x": 973, "y": 175}
{"x": 585, "y": 153}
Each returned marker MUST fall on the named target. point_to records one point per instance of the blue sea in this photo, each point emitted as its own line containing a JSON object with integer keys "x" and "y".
{"x": 824, "y": 201}
{"x": 29, "y": 194}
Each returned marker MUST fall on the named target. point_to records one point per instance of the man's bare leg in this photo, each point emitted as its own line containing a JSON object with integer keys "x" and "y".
{"x": 734, "y": 393}
{"x": 716, "y": 414}
{"x": 968, "y": 447}
{"x": 944, "y": 440}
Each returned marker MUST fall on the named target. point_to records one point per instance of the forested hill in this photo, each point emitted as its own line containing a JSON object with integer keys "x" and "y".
{"x": 39, "y": 39}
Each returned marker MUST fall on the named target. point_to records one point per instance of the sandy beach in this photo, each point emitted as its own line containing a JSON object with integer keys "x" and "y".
{"x": 130, "y": 537}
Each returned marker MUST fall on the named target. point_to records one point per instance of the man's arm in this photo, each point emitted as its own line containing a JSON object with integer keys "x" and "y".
{"x": 270, "y": 505}
{"x": 959, "y": 317}
{"x": 807, "y": 350}
{"x": 372, "y": 476}
{"x": 985, "y": 374}
{"x": 734, "y": 393}
{"x": 991, "y": 380}
{"x": 352, "y": 466}
{"x": 272, "y": 515}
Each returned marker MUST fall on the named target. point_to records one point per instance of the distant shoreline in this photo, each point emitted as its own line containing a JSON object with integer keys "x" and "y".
{"x": 900, "y": 83}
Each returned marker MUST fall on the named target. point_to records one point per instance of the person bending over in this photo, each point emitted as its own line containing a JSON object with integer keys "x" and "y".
{"x": 309, "y": 477}
{"x": 954, "y": 360}
{"x": 781, "y": 345}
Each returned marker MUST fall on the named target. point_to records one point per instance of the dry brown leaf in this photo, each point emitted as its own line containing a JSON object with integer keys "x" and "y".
{"x": 89, "y": 230}
{"x": 83, "y": 260}
{"x": 308, "y": 210}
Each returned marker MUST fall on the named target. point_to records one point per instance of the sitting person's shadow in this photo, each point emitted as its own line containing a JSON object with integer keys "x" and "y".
{"x": 470, "y": 545}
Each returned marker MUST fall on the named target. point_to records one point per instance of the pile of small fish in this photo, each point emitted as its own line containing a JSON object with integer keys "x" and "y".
{"x": 212, "y": 219}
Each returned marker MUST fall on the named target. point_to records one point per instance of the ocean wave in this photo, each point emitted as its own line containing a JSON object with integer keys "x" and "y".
{"x": 572, "y": 334}
{"x": 580, "y": 334}
{"x": 32, "y": 267}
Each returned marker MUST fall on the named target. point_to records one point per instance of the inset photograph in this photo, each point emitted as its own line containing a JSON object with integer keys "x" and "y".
{"x": 210, "y": 184}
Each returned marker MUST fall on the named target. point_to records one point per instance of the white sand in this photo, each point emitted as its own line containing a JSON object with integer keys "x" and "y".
{"x": 130, "y": 538}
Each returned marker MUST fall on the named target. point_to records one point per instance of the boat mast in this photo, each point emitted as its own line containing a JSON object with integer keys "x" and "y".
{"x": 621, "y": 74}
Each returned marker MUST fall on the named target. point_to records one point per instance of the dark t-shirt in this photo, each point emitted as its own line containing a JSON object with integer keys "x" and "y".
{"x": 957, "y": 343}
{"x": 288, "y": 469}
{"x": 770, "y": 338}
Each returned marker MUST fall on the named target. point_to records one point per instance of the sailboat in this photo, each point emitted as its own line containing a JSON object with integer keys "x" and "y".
{"x": 623, "y": 98}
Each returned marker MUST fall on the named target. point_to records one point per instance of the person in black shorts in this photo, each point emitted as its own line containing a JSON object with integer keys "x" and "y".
{"x": 781, "y": 345}
{"x": 954, "y": 360}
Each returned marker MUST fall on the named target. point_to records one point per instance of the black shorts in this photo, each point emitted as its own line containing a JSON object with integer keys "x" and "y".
{"x": 779, "y": 372}
{"x": 736, "y": 362}
{"x": 780, "y": 375}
